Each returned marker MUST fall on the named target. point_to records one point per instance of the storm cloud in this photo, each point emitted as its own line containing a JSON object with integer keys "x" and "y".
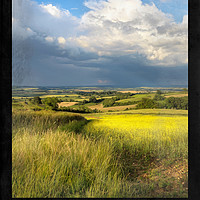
{"x": 116, "y": 42}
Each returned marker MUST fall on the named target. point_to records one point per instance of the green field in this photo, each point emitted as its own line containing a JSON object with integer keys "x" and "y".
{"x": 137, "y": 153}
{"x": 138, "y": 97}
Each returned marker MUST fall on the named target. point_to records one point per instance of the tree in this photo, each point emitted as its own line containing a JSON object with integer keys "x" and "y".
{"x": 185, "y": 89}
{"x": 158, "y": 92}
{"x": 147, "y": 103}
{"x": 158, "y": 97}
{"x": 37, "y": 100}
{"x": 177, "y": 103}
{"x": 108, "y": 102}
{"x": 51, "y": 102}
{"x": 92, "y": 99}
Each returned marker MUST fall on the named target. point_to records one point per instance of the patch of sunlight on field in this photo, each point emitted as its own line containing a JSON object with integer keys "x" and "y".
{"x": 141, "y": 122}
{"x": 72, "y": 95}
{"x": 22, "y": 97}
{"x": 137, "y": 97}
{"x": 156, "y": 134}
{"x": 53, "y": 95}
{"x": 30, "y": 88}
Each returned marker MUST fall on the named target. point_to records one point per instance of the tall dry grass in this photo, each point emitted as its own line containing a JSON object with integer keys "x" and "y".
{"x": 48, "y": 162}
{"x": 49, "y": 158}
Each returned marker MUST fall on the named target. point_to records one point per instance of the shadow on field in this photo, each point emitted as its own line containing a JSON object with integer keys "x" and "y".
{"x": 134, "y": 164}
{"x": 75, "y": 126}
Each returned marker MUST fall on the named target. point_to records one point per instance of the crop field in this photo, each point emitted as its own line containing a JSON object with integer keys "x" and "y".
{"x": 89, "y": 90}
{"x": 137, "y": 97}
{"x": 159, "y": 142}
{"x": 176, "y": 95}
{"x": 66, "y": 104}
{"x": 160, "y": 135}
{"x": 112, "y": 108}
{"x": 132, "y": 91}
{"x": 110, "y": 153}
{"x": 53, "y": 95}
{"x": 154, "y": 112}
{"x": 30, "y": 88}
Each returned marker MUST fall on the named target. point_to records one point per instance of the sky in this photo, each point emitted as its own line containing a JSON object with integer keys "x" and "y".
{"x": 127, "y": 43}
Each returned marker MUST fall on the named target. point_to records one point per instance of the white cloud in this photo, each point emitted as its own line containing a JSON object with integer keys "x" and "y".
{"x": 185, "y": 19}
{"x": 118, "y": 27}
{"x": 43, "y": 19}
{"x": 49, "y": 39}
{"x": 54, "y": 11}
{"x": 111, "y": 28}
{"x": 61, "y": 41}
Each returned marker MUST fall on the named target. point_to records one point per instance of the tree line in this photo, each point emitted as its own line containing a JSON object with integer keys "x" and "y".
{"x": 160, "y": 101}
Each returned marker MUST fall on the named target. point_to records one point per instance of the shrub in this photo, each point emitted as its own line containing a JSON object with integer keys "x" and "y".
{"x": 177, "y": 103}
{"x": 93, "y": 99}
{"x": 83, "y": 102}
{"x": 158, "y": 92}
{"x": 147, "y": 103}
{"x": 75, "y": 126}
{"x": 37, "y": 100}
{"x": 37, "y": 108}
{"x": 108, "y": 102}
{"x": 158, "y": 97}
{"x": 80, "y": 109}
{"x": 51, "y": 102}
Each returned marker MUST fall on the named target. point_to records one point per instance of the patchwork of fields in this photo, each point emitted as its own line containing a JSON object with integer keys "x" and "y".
{"x": 116, "y": 152}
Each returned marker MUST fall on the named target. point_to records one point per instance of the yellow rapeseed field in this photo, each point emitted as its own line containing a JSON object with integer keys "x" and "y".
{"x": 135, "y": 123}
{"x": 161, "y": 135}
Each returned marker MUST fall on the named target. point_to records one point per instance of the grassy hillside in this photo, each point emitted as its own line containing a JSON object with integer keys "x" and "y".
{"x": 115, "y": 152}
{"x": 50, "y": 162}
{"x": 107, "y": 157}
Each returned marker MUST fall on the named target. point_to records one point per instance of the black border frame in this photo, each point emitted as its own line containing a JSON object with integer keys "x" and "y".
{"x": 6, "y": 99}
{"x": 194, "y": 99}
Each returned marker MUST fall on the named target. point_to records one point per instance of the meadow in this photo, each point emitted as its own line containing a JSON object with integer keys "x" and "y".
{"x": 147, "y": 135}
{"x": 140, "y": 153}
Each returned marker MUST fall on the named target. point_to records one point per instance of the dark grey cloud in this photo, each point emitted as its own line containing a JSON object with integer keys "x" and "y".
{"x": 52, "y": 66}
{"x": 128, "y": 73}
{"x": 36, "y": 59}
